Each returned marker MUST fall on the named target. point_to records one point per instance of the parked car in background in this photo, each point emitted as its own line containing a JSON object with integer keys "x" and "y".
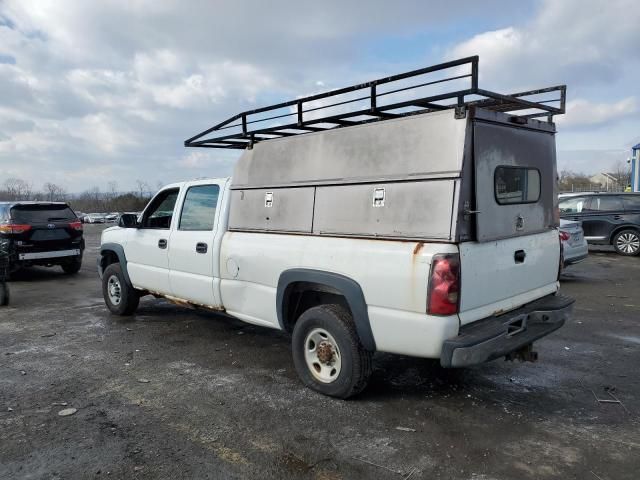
{"x": 111, "y": 217}
{"x": 607, "y": 218}
{"x": 575, "y": 247}
{"x": 41, "y": 233}
{"x": 94, "y": 218}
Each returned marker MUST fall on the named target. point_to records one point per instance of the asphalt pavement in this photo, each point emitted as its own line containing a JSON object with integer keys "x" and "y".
{"x": 179, "y": 393}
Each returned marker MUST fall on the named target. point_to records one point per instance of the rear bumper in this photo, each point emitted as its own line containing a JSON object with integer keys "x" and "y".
{"x": 576, "y": 259}
{"x": 53, "y": 255}
{"x": 497, "y": 336}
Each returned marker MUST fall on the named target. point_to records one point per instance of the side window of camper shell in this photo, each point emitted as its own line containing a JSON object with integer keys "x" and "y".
{"x": 514, "y": 185}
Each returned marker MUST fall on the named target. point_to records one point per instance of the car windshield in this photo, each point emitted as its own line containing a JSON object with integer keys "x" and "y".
{"x": 41, "y": 213}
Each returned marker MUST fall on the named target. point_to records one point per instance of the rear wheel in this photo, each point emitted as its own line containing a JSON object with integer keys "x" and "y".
{"x": 4, "y": 293}
{"x": 120, "y": 298}
{"x": 327, "y": 352}
{"x": 627, "y": 242}
{"x": 72, "y": 266}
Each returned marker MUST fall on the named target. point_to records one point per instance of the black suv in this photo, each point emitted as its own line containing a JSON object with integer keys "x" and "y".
{"x": 607, "y": 218}
{"x": 41, "y": 233}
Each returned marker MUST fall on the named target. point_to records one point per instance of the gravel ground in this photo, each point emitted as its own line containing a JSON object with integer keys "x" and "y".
{"x": 178, "y": 393}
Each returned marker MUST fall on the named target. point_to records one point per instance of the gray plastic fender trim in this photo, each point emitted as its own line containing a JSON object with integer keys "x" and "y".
{"x": 345, "y": 285}
{"x": 122, "y": 259}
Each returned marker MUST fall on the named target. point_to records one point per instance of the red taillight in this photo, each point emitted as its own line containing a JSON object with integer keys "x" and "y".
{"x": 14, "y": 228}
{"x": 564, "y": 236}
{"x": 77, "y": 225}
{"x": 444, "y": 285}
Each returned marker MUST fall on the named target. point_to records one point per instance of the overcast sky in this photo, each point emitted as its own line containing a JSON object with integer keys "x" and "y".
{"x": 96, "y": 91}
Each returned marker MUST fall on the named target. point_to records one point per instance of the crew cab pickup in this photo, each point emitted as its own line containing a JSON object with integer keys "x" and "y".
{"x": 431, "y": 235}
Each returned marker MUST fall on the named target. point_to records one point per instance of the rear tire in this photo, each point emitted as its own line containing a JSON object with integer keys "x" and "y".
{"x": 4, "y": 294}
{"x": 72, "y": 266}
{"x": 327, "y": 352}
{"x": 627, "y": 242}
{"x": 119, "y": 296}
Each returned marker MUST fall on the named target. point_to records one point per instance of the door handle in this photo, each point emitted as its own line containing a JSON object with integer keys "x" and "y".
{"x": 617, "y": 217}
{"x": 201, "y": 247}
{"x": 162, "y": 243}
{"x": 519, "y": 256}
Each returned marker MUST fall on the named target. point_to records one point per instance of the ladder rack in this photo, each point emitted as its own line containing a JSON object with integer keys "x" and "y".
{"x": 379, "y": 100}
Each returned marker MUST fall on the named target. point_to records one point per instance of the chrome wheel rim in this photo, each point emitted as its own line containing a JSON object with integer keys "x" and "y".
{"x": 114, "y": 290}
{"x": 322, "y": 355}
{"x": 628, "y": 242}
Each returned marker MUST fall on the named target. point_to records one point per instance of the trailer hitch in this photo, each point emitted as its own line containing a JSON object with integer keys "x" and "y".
{"x": 524, "y": 354}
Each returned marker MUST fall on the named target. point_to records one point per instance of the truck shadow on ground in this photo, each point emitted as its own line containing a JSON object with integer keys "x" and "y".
{"x": 200, "y": 335}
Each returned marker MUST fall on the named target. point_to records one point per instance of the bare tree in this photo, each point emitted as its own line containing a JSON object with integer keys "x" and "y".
{"x": 17, "y": 189}
{"x": 143, "y": 189}
{"x": 622, "y": 173}
{"x": 569, "y": 181}
{"x": 54, "y": 192}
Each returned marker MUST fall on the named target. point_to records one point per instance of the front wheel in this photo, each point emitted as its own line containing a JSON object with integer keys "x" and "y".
{"x": 120, "y": 297}
{"x": 327, "y": 352}
{"x": 627, "y": 242}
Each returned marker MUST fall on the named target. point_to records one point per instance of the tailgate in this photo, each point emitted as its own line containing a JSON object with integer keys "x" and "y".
{"x": 502, "y": 275}
{"x": 515, "y": 181}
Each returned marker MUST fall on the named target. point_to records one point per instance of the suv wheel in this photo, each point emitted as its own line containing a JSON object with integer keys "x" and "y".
{"x": 327, "y": 352}
{"x": 627, "y": 242}
{"x": 4, "y": 294}
{"x": 72, "y": 266}
{"x": 119, "y": 296}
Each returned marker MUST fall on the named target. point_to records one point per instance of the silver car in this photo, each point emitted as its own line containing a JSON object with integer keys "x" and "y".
{"x": 574, "y": 245}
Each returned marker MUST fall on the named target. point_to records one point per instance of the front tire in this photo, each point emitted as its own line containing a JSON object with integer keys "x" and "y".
{"x": 4, "y": 294}
{"x": 327, "y": 352}
{"x": 627, "y": 242}
{"x": 119, "y": 296}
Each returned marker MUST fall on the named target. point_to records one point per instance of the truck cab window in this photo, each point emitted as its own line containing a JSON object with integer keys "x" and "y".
{"x": 199, "y": 209}
{"x": 516, "y": 185}
{"x": 160, "y": 212}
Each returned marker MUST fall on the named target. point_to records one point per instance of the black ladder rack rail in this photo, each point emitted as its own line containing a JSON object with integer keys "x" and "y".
{"x": 252, "y": 130}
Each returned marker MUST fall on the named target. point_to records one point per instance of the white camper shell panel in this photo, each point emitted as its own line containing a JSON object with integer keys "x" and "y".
{"x": 325, "y": 183}
{"x": 272, "y": 209}
{"x": 421, "y": 146}
{"x": 394, "y": 210}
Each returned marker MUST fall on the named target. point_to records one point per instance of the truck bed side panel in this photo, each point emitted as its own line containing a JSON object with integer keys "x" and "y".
{"x": 392, "y": 274}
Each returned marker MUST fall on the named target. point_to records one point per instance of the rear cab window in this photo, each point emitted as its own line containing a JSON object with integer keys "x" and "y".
{"x": 516, "y": 185}
{"x": 199, "y": 208}
{"x": 41, "y": 213}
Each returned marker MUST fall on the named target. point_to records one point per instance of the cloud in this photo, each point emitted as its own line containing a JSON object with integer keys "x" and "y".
{"x": 93, "y": 91}
{"x": 583, "y": 43}
{"x": 582, "y": 112}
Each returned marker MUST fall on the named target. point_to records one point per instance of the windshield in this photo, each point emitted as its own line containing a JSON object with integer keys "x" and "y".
{"x": 41, "y": 213}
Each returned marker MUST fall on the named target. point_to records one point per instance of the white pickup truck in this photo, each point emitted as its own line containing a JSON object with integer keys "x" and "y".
{"x": 431, "y": 235}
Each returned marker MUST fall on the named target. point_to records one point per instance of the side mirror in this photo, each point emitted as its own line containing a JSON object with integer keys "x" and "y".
{"x": 128, "y": 220}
